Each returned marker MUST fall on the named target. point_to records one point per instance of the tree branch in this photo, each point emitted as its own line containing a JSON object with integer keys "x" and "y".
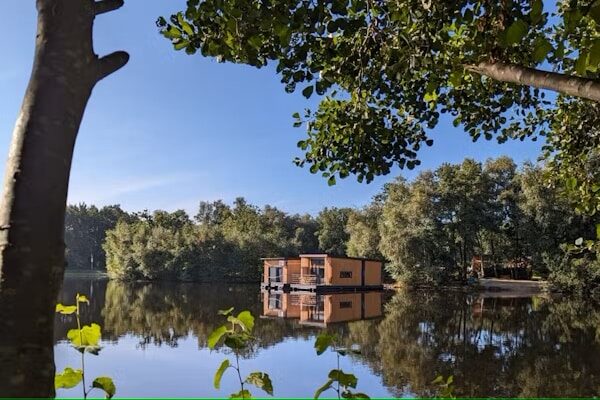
{"x": 112, "y": 63}
{"x": 565, "y": 84}
{"x": 104, "y": 6}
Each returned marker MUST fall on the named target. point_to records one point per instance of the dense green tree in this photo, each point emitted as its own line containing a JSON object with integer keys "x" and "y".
{"x": 463, "y": 208}
{"x": 85, "y": 230}
{"x": 363, "y": 231}
{"x": 332, "y": 233}
{"x": 225, "y": 244}
{"x": 411, "y": 236}
{"x": 431, "y": 228}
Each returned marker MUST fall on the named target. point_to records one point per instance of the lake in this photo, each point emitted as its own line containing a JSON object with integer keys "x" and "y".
{"x": 155, "y": 334}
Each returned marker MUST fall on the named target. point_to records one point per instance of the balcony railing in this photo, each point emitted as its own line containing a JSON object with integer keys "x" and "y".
{"x": 306, "y": 279}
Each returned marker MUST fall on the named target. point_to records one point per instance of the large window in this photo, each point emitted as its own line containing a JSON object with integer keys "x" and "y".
{"x": 317, "y": 262}
{"x": 275, "y": 274}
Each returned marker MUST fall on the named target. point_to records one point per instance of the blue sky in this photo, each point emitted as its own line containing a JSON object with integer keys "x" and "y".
{"x": 170, "y": 130}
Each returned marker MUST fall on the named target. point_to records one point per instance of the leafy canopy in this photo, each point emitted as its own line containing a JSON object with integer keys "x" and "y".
{"x": 389, "y": 68}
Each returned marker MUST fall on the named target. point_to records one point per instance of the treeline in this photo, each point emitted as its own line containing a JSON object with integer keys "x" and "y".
{"x": 430, "y": 228}
{"x": 427, "y": 229}
{"x": 221, "y": 242}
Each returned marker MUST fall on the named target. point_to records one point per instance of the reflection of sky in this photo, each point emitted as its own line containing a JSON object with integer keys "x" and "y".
{"x": 186, "y": 371}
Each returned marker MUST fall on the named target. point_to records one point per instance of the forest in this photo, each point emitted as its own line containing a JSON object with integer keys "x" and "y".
{"x": 426, "y": 229}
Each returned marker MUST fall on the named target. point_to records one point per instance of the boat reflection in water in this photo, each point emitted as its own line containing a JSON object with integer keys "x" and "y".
{"x": 321, "y": 310}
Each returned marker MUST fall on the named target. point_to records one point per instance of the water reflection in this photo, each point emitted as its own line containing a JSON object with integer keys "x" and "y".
{"x": 321, "y": 310}
{"x": 493, "y": 346}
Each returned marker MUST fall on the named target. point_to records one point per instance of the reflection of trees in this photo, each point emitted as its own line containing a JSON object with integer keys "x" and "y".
{"x": 161, "y": 313}
{"x": 492, "y": 346}
{"x": 93, "y": 288}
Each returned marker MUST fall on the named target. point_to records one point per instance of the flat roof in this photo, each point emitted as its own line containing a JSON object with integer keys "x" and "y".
{"x": 343, "y": 257}
{"x": 279, "y": 258}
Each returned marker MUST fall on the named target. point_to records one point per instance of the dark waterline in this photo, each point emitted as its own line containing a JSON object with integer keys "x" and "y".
{"x": 154, "y": 339}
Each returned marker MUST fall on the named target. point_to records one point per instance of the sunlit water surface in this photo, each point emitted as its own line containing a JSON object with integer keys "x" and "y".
{"x": 154, "y": 341}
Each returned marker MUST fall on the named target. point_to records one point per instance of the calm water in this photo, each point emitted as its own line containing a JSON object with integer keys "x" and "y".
{"x": 155, "y": 341}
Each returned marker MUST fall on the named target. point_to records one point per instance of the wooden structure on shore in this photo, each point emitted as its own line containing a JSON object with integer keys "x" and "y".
{"x": 483, "y": 266}
{"x": 322, "y": 273}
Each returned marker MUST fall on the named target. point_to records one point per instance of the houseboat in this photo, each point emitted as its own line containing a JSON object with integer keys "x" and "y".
{"x": 322, "y": 273}
{"x": 320, "y": 310}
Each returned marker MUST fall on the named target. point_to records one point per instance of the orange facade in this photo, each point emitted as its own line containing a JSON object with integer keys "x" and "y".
{"x": 321, "y": 310}
{"x": 321, "y": 269}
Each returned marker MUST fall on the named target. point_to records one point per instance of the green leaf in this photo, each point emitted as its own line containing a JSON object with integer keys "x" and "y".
{"x": 331, "y": 181}
{"x": 594, "y": 57}
{"x": 261, "y": 381}
{"x": 106, "y": 384}
{"x": 455, "y": 78}
{"x": 343, "y": 378}
{"x": 219, "y": 374}
{"x": 89, "y": 335}
{"x": 215, "y": 336}
{"x": 225, "y": 312}
{"x": 571, "y": 183}
{"x": 296, "y": 115}
{"x": 247, "y": 320}
{"x": 235, "y": 342}
{"x": 541, "y": 50}
{"x": 537, "y": 7}
{"x": 323, "y": 388}
{"x": 187, "y": 28}
{"x": 172, "y": 32}
{"x": 438, "y": 380}
{"x": 516, "y": 32}
{"x": 350, "y": 395}
{"x": 323, "y": 342}
{"x": 66, "y": 310}
{"x": 308, "y": 91}
{"x": 81, "y": 298}
{"x": 68, "y": 379}
{"x": 598, "y": 231}
{"x": 581, "y": 63}
{"x": 242, "y": 394}
{"x": 430, "y": 96}
{"x": 180, "y": 45}
{"x": 595, "y": 12}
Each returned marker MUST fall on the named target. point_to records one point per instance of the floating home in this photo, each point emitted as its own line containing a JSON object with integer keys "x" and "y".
{"x": 314, "y": 309}
{"x": 322, "y": 273}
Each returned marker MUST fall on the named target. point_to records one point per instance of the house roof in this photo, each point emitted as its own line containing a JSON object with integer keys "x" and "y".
{"x": 279, "y": 258}
{"x": 343, "y": 257}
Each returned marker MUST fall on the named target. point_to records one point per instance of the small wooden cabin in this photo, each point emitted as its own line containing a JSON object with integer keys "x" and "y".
{"x": 482, "y": 266}
{"x": 322, "y": 272}
{"x": 314, "y": 309}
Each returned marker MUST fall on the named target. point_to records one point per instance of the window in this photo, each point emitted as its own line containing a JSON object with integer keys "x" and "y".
{"x": 275, "y": 302}
{"x": 345, "y": 274}
{"x": 317, "y": 262}
{"x": 275, "y": 274}
{"x": 345, "y": 304}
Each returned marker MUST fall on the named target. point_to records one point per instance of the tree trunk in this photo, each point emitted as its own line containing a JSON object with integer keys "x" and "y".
{"x": 32, "y": 212}
{"x": 566, "y": 84}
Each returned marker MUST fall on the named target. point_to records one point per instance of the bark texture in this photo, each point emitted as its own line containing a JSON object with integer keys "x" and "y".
{"x": 34, "y": 196}
{"x": 566, "y": 84}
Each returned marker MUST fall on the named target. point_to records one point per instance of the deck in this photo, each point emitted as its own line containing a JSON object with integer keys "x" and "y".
{"x": 524, "y": 287}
